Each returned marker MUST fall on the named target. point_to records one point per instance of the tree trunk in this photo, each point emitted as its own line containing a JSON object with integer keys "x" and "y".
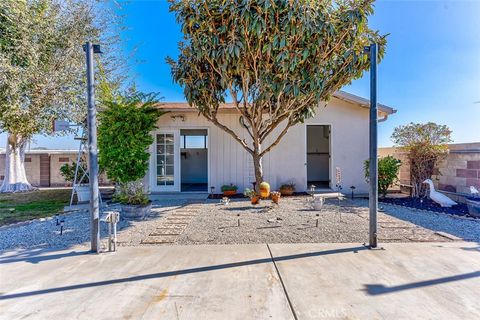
{"x": 258, "y": 168}
{"x": 15, "y": 178}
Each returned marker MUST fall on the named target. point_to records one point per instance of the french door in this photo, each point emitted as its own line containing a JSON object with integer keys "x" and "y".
{"x": 166, "y": 156}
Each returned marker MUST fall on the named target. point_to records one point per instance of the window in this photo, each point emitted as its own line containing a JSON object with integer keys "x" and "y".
{"x": 193, "y": 142}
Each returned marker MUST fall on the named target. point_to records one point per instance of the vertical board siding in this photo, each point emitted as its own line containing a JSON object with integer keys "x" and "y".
{"x": 230, "y": 163}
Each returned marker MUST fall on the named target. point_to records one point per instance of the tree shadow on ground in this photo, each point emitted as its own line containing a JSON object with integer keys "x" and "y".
{"x": 174, "y": 273}
{"x": 378, "y": 289}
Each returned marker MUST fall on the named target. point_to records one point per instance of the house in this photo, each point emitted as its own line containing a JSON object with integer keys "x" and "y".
{"x": 190, "y": 154}
{"x": 42, "y": 167}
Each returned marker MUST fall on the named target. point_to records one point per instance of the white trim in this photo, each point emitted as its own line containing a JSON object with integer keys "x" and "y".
{"x": 208, "y": 158}
{"x": 330, "y": 151}
{"x": 176, "y": 162}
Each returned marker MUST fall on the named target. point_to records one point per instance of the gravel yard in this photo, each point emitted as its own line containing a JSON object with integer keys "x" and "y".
{"x": 293, "y": 221}
{"x": 45, "y": 233}
{"x": 209, "y": 222}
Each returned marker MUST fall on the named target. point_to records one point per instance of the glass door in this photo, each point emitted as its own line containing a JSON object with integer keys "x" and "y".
{"x": 166, "y": 161}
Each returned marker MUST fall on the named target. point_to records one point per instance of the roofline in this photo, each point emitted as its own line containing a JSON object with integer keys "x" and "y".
{"x": 47, "y": 151}
{"x": 342, "y": 95}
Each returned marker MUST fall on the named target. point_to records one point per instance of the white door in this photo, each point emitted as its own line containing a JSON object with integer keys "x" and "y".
{"x": 166, "y": 159}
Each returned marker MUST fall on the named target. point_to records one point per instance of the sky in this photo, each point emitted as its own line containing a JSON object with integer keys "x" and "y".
{"x": 431, "y": 70}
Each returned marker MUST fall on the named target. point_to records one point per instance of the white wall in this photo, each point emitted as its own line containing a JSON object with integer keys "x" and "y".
{"x": 230, "y": 163}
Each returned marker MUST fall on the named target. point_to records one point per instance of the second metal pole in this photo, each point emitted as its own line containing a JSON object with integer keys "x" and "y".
{"x": 373, "y": 194}
{"x": 92, "y": 152}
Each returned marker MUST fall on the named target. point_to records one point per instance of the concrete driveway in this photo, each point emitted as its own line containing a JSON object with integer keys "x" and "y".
{"x": 301, "y": 281}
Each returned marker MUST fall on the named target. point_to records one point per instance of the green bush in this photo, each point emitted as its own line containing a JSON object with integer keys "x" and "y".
{"x": 67, "y": 171}
{"x": 124, "y": 136}
{"x": 131, "y": 193}
{"x": 229, "y": 187}
{"x": 388, "y": 168}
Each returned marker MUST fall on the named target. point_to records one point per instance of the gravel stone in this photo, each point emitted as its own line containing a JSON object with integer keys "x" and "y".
{"x": 293, "y": 221}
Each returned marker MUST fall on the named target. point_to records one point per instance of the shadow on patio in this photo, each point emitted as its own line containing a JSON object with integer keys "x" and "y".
{"x": 181, "y": 272}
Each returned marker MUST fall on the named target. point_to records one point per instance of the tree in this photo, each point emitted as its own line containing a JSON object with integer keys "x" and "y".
{"x": 42, "y": 70}
{"x": 425, "y": 145}
{"x": 124, "y": 135}
{"x": 388, "y": 168}
{"x": 276, "y": 59}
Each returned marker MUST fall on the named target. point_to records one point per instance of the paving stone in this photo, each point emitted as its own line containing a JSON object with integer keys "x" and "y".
{"x": 182, "y": 215}
{"x": 175, "y": 222}
{"x": 172, "y": 226}
{"x": 166, "y": 232}
{"x": 159, "y": 239}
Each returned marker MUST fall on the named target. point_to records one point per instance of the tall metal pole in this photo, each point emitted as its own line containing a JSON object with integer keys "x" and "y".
{"x": 92, "y": 152}
{"x": 373, "y": 194}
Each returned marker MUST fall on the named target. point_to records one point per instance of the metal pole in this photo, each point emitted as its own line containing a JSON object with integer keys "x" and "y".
{"x": 92, "y": 152}
{"x": 373, "y": 195}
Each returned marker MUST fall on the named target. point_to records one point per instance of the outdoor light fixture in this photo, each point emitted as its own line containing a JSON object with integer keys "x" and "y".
{"x": 178, "y": 116}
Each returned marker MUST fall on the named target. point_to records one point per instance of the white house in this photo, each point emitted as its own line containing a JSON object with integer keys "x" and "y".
{"x": 190, "y": 154}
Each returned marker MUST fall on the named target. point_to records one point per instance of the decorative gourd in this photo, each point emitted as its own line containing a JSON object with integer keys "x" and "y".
{"x": 264, "y": 190}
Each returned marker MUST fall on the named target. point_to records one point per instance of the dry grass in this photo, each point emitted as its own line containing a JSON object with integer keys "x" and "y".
{"x": 16, "y": 207}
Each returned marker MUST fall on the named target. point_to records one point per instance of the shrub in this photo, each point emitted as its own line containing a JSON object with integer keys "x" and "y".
{"x": 425, "y": 145}
{"x": 288, "y": 186}
{"x": 67, "y": 171}
{"x": 229, "y": 187}
{"x": 388, "y": 168}
{"x": 126, "y": 123}
{"x": 131, "y": 193}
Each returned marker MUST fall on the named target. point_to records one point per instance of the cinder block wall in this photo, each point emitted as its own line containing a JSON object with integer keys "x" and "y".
{"x": 459, "y": 170}
{"x": 32, "y": 168}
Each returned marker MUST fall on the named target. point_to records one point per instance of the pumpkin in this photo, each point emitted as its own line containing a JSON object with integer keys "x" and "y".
{"x": 264, "y": 190}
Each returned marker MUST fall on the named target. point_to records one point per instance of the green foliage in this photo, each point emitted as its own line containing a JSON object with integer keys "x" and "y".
{"x": 229, "y": 187}
{"x": 278, "y": 59}
{"x": 388, "y": 168}
{"x": 124, "y": 135}
{"x": 288, "y": 186}
{"x": 67, "y": 171}
{"x": 249, "y": 193}
{"x": 425, "y": 145}
{"x": 131, "y": 193}
{"x": 42, "y": 64}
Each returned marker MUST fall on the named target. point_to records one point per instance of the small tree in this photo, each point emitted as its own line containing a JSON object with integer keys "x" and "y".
{"x": 425, "y": 145}
{"x": 388, "y": 168}
{"x": 277, "y": 59}
{"x": 42, "y": 70}
{"x": 124, "y": 135}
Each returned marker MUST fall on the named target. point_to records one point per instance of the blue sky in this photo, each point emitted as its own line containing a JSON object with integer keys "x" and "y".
{"x": 431, "y": 71}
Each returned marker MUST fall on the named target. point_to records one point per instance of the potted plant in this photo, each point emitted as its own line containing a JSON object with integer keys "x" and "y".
{"x": 252, "y": 194}
{"x": 133, "y": 199}
{"x": 229, "y": 190}
{"x": 264, "y": 189}
{"x": 275, "y": 195}
{"x": 287, "y": 189}
{"x": 126, "y": 123}
{"x": 82, "y": 187}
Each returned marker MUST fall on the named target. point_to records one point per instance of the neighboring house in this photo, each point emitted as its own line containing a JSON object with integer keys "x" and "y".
{"x": 455, "y": 173}
{"x": 43, "y": 167}
{"x": 190, "y": 154}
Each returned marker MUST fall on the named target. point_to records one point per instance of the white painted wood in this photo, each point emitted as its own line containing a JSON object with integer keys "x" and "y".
{"x": 229, "y": 162}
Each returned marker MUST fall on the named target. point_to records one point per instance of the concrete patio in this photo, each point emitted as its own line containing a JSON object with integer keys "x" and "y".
{"x": 301, "y": 281}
